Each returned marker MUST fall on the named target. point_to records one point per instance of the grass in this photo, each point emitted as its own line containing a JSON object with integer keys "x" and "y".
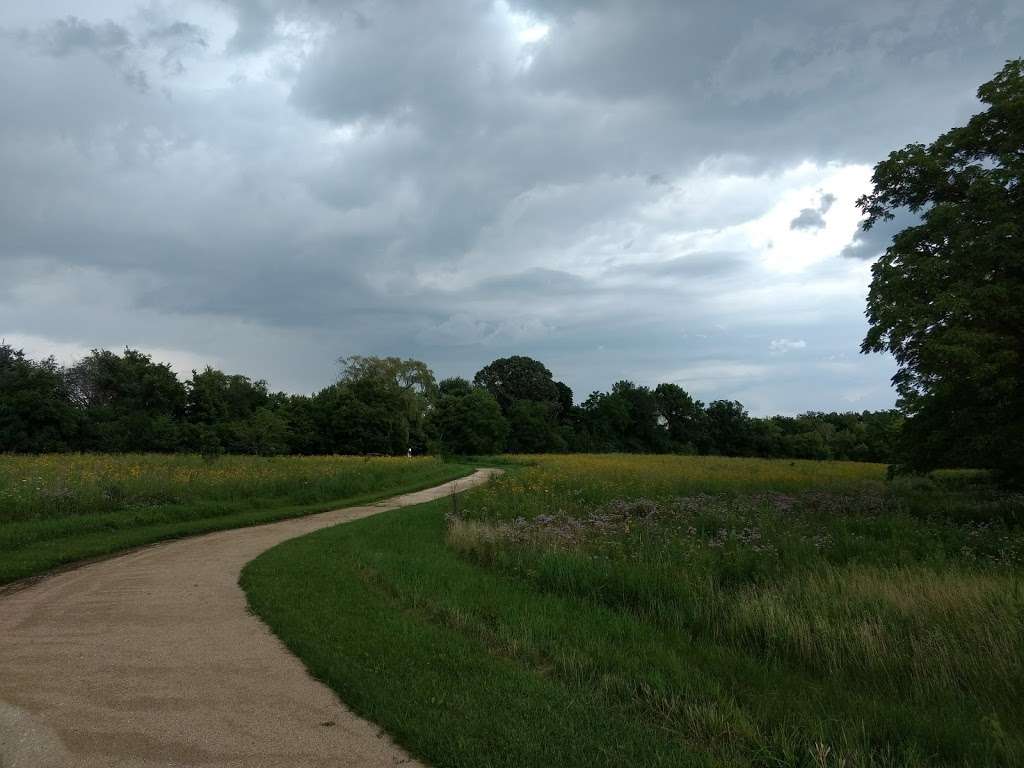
{"x": 673, "y": 611}
{"x": 58, "y": 509}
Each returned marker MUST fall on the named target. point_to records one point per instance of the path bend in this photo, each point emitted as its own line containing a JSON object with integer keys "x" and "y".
{"x": 152, "y": 659}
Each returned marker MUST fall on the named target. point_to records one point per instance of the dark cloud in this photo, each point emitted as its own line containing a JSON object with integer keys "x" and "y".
{"x": 110, "y": 42}
{"x": 808, "y": 218}
{"x": 178, "y": 40}
{"x": 870, "y": 244}
{"x": 72, "y": 35}
{"x": 814, "y": 218}
{"x": 286, "y": 181}
{"x": 694, "y": 265}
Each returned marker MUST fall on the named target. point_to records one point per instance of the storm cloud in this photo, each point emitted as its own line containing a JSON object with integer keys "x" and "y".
{"x": 647, "y": 190}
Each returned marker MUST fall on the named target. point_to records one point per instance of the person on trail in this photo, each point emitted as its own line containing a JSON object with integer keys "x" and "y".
{"x": 409, "y": 453}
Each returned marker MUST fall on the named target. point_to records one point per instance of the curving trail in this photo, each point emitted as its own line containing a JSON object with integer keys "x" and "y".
{"x": 152, "y": 659}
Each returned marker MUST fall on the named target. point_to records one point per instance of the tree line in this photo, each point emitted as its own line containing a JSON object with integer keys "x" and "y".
{"x": 109, "y": 402}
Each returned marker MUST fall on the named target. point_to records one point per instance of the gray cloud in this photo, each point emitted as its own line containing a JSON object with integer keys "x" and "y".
{"x": 69, "y": 36}
{"x": 178, "y": 40}
{"x": 870, "y": 244}
{"x": 302, "y": 180}
{"x": 814, "y": 218}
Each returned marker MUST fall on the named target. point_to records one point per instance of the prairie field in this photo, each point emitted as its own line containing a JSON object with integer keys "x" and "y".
{"x": 658, "y": 610}
{"x": 59, "y": 508}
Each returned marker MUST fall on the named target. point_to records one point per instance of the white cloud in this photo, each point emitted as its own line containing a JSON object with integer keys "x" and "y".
{"x": 781, "y": 346}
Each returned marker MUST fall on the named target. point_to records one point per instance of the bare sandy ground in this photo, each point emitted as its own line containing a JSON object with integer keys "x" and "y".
{"x": 152, "y": 659}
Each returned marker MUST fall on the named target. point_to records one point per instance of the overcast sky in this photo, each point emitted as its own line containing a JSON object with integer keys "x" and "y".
{"x": 660, "y": 191}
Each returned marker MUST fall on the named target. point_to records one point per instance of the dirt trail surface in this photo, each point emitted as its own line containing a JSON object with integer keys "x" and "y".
{"x": 152, "y": 659}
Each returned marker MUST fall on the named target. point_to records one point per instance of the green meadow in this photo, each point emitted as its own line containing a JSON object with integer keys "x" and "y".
{"x": 673, "y": 611}
{"x": 57, "y": 509}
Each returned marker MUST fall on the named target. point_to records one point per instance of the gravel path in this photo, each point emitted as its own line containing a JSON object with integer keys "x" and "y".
{"x": 152, "y": 659}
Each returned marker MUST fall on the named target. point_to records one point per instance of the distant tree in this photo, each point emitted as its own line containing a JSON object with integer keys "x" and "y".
{"x": 515, "y": 378}
{"x": 882, "y": 431}
{"x": 729, "y": 428}
{"x": 263, "y": 432}
{"x": 643, "y": 429}
{"x": 531, "y": 401}
{"x": 214, "y": 397}
{"x": 807, "y": 444}
{"x": 532, "y": 428}
{"x": 304, "y": 428}
{"x": 406, "y": 387}
{"x": 111, "y": 402}
{"x": 378, "y": 405}
{"x": 410, "y": 376}
{"x": 565, "y": 403}
{"x": 232, "y": 413}
{"x": 767, "y": 437}
{"x": 605, "y": 423}
{"x": 360, "y": 418}
{"x": 467, "y": 420}
{"x": 684, "y": 417}
{"x": 568, "y": 418}
{"x": 947, "y": 297}
{"x": 129, "y": 402}
{"x": 36, "y": 413}
{"x": 457, "y": 386}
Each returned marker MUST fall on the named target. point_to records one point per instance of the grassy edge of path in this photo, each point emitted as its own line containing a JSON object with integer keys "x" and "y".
{"x": 445, "y": 656}
{"x": 22, "y": 566}
{"x": 401, "y": 663}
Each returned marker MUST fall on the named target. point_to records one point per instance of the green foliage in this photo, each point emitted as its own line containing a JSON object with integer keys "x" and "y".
{"x": 947, "y": 298}
{"x": 233, "y": 414}
{"x": 511, "y": 379}
{"x": 629, "y": 418}
{"x": 729, "y": 428}
{"x": 379, "y": 405}
{"x": 110, "y": 402}
{"x": 129, "y": 402}
{"x": 467, "y": 420}
{"x": 565, "y": 402}
{"x": 684, "y": 417}
{"x": 214, "y": 397}
{"x": 533, "y": 427}
{"x": 36, "y": 413}
{"x": 537, "y": 407}
{"x": 456, "y": 386}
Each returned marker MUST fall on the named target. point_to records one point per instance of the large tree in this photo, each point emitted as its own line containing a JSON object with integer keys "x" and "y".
{"x": 36, "y": 413}
{"x": 231, "y": 412}
{"x": 467, "y": 419}
{"x": 684, "y": 417}
{"x": 531, "y": 400}
{"x": 947, "y": 297}
{"x": 379, "y": 405}
{"x": 730, "y": 428}
{"x": 519, "y": 378}
{"x": 129, "y": 402}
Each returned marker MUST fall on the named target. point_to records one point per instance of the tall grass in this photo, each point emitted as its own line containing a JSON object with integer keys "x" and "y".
{"x": 576, "y": 484}
{"x": 912, "y": 592}
{"x": 56, "y": 509}
{"x": 61, "y": 485}
{"x": 673, "y": 611}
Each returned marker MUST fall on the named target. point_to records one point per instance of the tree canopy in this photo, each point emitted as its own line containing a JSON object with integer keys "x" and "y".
{"x": 117, "y": 402}
{"x": 947, "y": 297}
{"x": 467, "y": 420}
{"x": 518, "y": 378}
